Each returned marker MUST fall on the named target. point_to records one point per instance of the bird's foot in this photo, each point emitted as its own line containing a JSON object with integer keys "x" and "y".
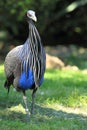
{"x": 27, "y": 114}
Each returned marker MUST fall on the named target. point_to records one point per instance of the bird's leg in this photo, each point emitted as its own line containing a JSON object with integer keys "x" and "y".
{"x": 26, "y": 105}
{"x": 33, "y": 101}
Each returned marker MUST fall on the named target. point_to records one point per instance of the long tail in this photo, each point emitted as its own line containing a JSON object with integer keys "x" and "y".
{"x": 7, "y": 85}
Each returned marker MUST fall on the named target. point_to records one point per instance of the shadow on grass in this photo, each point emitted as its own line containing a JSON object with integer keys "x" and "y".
{"x": 42, "y": 114}
{"x": 61, "y": 87}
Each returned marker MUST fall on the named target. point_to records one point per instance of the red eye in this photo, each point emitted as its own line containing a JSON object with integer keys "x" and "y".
{"x": 29, "y": 15}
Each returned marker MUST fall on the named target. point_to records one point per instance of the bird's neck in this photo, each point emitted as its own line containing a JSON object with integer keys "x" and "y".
{"x": 34, "y": 37}
{"x": 31, "y": 23}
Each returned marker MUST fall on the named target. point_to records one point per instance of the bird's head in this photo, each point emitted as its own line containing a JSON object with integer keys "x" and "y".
{"x": 31, "y": 15}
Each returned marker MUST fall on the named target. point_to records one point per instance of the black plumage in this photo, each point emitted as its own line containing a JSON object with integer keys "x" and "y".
{"x": 25, "y": 64}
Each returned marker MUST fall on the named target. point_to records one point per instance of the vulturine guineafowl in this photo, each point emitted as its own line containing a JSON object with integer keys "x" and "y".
{"x": 25, "y": 64}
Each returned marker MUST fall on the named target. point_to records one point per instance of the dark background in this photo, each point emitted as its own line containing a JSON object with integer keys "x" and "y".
{"x": 61, "y": 22}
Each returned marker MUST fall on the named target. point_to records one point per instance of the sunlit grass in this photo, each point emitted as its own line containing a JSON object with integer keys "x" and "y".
{"x": 65, "y": 87}
{"x": 61, "y": 103}
{"x": 1, "y": 69}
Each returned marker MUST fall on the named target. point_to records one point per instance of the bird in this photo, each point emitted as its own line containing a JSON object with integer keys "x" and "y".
{"x": 25, "y": 64}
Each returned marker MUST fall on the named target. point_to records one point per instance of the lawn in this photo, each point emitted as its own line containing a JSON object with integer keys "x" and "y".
{"x": 61, "y": 103}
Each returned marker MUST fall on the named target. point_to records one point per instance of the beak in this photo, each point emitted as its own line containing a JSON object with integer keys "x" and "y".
{"x": 34, "y": 18}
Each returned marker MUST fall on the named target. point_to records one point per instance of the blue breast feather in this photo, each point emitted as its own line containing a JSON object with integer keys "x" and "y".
{"x": 28, "y": 82}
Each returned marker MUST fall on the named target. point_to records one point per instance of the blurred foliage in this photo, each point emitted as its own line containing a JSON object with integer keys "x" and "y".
{"x": 59, "y": 21}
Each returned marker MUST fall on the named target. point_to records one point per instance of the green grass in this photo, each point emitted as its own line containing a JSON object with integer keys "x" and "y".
{"x": 61, "y": 103}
